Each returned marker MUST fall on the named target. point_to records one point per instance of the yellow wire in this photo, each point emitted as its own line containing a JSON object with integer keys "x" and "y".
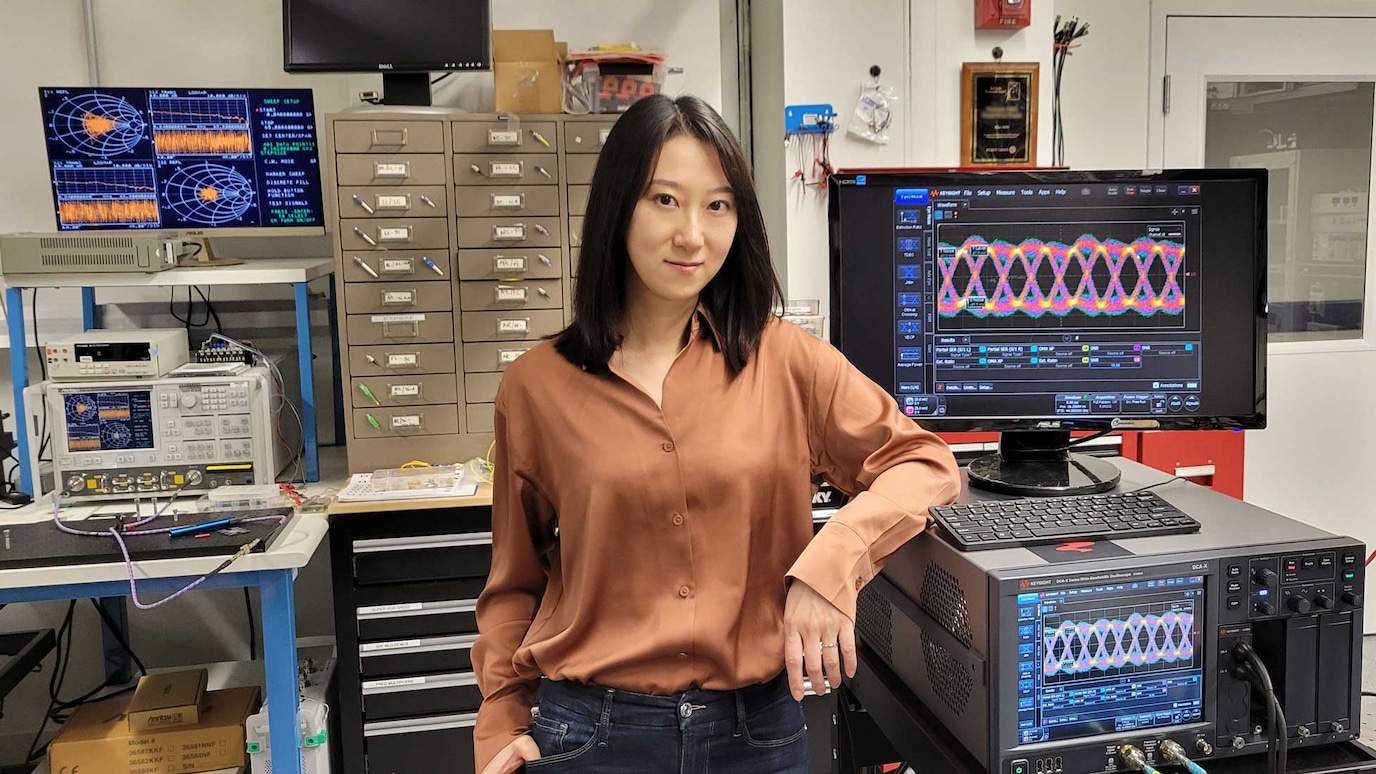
{"x": 417, "y": 464}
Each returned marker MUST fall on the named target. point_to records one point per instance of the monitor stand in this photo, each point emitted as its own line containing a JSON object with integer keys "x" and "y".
{"x": 1036, "y": 463}
{"x": 406, "y": 89}
{"x": 205, "y": 256}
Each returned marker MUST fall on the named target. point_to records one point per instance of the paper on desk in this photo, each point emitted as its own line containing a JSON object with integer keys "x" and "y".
{"x": 360, "y": 489}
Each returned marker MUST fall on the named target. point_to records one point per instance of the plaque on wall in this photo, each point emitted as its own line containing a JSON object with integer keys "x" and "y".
{"x": 998, "y": 114}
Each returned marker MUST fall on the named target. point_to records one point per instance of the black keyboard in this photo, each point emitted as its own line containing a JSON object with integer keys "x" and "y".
{"x": 1039, "y": 521}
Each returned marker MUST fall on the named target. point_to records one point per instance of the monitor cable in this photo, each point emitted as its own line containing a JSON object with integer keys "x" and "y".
{"x": 1247, "y": 666}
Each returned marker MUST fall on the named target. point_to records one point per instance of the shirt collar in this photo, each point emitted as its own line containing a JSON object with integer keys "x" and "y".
{"x": 702, "y": 317}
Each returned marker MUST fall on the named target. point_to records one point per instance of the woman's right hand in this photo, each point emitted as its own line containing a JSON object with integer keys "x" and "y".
{"x": 514, "y": 756}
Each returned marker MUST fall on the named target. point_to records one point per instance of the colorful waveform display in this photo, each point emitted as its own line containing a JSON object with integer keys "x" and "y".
{"x": 1088, "y": 253}
{"x": 1074, "y": 648}
{"x": 108, "y": 211}
{"x": 179, "y": 142}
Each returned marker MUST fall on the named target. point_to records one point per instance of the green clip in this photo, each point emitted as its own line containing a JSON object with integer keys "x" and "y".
{"x": 254, "y": 748}
{"x": 318, "y": 739}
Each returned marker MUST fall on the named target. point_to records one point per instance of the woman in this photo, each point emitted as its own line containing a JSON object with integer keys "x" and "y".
{"x": 653, "y": 556}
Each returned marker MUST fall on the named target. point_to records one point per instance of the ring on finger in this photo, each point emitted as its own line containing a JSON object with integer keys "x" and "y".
{"x": 828, "y": 644}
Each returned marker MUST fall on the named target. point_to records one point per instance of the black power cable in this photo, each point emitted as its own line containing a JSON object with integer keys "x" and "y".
{"x": 1247, "y": 666}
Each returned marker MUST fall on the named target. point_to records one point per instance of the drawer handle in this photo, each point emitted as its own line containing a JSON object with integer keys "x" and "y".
{"x": 400, "y": 330}
{"x": 422, "y": 542}
{"x": 364, "y": 236}
{"x": 362, "y": 264}
{"x": 438, "y": 723}
{"x": 379, "y": 136}
{"x": 359, "y": 201}
{"x": 424, "y": 683}
{"x": 412, "y": 609}
{"x": 427, "y": 202}
{"x": 430, "y": 645}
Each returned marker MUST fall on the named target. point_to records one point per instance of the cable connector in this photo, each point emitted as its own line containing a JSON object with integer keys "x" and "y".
{"x": 246, "y": 549}
{"x": 1136, "y": 759}
{"x": 1174, "y": 753}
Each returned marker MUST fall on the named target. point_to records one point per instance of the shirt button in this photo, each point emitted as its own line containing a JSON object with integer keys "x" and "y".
{"x": 859, "y": 583}
{"x": 684, "y": 591}
{"x": 678, "y": 520}
{"x": 683, "y": 655}
{"x": 667, "y": 446}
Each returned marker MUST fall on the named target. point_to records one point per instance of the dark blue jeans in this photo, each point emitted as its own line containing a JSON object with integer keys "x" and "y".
{"x": 589, "y": 728}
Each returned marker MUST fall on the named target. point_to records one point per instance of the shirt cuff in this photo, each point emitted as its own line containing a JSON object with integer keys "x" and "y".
{"x": 500, "y": 721}
{"x": 836, "y": 564}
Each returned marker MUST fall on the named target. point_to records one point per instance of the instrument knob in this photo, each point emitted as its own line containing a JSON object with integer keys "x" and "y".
{"x": 1299, "y": 604}
{"x": 1264, "y": 576}
{"x": 188, "y": 400}
{"x": 1266, "y": 608}
{"x": 1352, "y": 598}
{"x": 1323, "y": 602}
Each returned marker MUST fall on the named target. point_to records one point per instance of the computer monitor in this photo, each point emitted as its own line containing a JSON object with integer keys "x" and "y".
{"x": 1043, "y": 302}
{"x": 404, "y": 40}
{"x": 188, "y": 162}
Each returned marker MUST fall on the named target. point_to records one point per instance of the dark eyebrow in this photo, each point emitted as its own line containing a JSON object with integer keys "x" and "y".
{"x": 676, "y": 186}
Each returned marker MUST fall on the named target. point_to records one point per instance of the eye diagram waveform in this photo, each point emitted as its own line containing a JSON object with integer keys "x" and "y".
{"x": 188, "y": 126}
{"x": 1074, "y": 648}
{"x": 208, "y": 194}
{"x": 97, "y": 125}
{"x": 106, "y": 195}
{"x": 1035, "y": 278}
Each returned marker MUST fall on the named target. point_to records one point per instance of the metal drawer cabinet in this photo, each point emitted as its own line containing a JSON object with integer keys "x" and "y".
{"x": 447, "y": 617}
{"x": 421, "y": 746}
{"x": 398, "y": 658}
{"x": 422, "y": 558}
{"x": 394, "y": 698}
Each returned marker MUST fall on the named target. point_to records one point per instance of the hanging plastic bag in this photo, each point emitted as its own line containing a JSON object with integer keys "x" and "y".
{"x": 874, "y": 112}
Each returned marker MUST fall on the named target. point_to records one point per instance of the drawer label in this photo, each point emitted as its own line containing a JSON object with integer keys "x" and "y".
{"x": 374, "y": 647}
{"x": 510, "y": 263}
{"x": 398, "y": 318}
{"x": 406, "y": 420}
{"x": 508, "y": 201}
{"x": 398, "y": 298}
{"x": 394, "y": 234}
{"x": 507, "y": 293}
{"x": 398, "y": 265}
{"x": 510, "y": 233}
{"x": 396, "y": 682}
{"x": 513, "y": 326}
{"x": 402, "y": 607}
{"x": 505, "y": 169}
{"x": 405, "y": 390}
{"x": 394, "y": 201}
{"x": 507, "y": 356}
{"x": 403, "y": 361}
{"x": 392, "y": 169}
{"x": 503, "y": 137}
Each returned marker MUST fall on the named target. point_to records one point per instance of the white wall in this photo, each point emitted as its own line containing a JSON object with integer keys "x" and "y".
{"x": 1106, "y": 89}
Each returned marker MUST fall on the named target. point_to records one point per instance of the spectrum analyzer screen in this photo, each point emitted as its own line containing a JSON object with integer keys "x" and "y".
{"x": 1093, "y": 299}
{"x": 182, "y": 159}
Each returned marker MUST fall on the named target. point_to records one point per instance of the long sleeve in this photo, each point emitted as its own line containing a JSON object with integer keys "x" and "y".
{"x": 862, "y": 444}
{"x": 510, "y": 599}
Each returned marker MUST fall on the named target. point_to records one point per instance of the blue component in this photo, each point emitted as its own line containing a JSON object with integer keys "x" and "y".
{"x": 911, "y": 196}
{"x": 859, "y": 179}
{"x": 809, "y": 119}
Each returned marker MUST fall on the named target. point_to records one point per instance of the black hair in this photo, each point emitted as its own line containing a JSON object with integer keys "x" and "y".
{"x": 740, "y": 299}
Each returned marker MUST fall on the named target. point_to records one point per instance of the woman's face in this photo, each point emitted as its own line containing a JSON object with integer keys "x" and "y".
{"x": 683, "y": 226}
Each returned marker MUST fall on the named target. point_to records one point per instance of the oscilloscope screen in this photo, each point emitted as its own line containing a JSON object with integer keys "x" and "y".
{"x": 182, "y": 159}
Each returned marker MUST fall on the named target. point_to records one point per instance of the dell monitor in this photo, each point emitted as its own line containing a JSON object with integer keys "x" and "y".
{"x": 1039, "y": 303}
{"x": 404, "y": 40}
{"x": 187, "y": 162}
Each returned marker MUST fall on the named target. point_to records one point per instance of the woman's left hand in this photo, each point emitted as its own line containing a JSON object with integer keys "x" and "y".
{"x": 818, "y": 639}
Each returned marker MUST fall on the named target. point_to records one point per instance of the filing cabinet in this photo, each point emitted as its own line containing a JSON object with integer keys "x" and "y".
{"x": 456, "y": 238}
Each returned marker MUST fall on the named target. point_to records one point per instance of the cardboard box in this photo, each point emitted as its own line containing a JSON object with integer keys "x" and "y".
{"x": 167, "y": 700}
{"x": 97, "y": 738}
{"x": 527, "y": 72}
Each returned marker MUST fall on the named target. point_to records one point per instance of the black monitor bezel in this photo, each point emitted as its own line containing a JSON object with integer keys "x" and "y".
{"x": 408, "y": 67}
{"x": 1255, "y": 420}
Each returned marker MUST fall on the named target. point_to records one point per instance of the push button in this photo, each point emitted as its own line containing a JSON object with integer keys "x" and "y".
{"x": 667, "y": 446}
{"x": 1234, "y": 587}
{"x": 1019, "y": 767}
{"x": 1234, "y": 603}
{"x": 1234, "y": 571}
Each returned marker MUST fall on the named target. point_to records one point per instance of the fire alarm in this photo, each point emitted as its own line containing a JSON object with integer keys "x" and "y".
{"x": 1002, "y": 14}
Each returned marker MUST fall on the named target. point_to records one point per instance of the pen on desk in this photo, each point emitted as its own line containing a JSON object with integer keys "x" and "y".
{"x": 202, "y": 527}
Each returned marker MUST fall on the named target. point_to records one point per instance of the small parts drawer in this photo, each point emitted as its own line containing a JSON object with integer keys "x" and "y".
{"x": 586, "y": 136}
{"x": 481, "y": 417}
{"x": 516, "y": 232}
{"x": 578, "y": 199}
{"x": 398, "y": 169}
{"x": 406, "y": 620}
{"x": 422, "y": 557}
{"x": 408, "y": 697}
{"x": 402, "y": 360}
{"x": 413, "y": 746}
{"x": 486, "y": 201}
{"x": 405, "y": 390}
{"x": 528, "y": 294}
{"x": 481, "y": 387}
{"x": 409, "y": 327}
{"x": 385, "y": 297}
{"x": 393, "y": 266}
{"x": 393, "y": 202}
{"x": 511, "y": 326}
{"x": 503, "y": 137}
{"x": 395, "y": 658}
{"x": 405, "y": 421}
{"x": 509, "y": 264}
{"x": 482, "y": 169}
{"x": 573, "y": 261}
{"x": 385, "y": 234}
{"x": 576, "y": 231}
{"x": 492, "y": 356}
{"x": 388, "y": 137}
{"x": 580, "y": 169}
